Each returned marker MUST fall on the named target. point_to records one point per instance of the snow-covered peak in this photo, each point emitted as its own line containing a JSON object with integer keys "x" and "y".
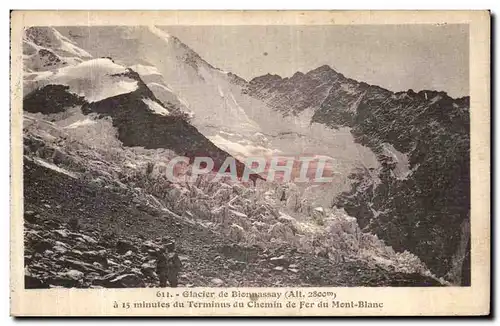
{"x": 94, "y": 80}
{"x": 92, "y": 68}
{"x": 48, "y": 37}
{"x": 143, "y": 70}
{"x": 160, "y": 33}
{"x": 44, "y": 48}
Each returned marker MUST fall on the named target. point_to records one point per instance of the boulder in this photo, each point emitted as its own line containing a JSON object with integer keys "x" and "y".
{"x": 149, "y": 245}
{"x": 74, "y": 274}
{"x": 79, "y": 265}
{"x": 94, "y": 256}
{"x": 282, "y": 231}
{"x": 350, "y": 226}
{"x": 260, "y": 226}
{"x": 77, "y": 254}
{"x": 148, "y": 269}
{"x": 122, "y": 246}
{"x": 103, "y": 280}
{"x": 216, "y": 282}
{"x": 62, "y": 244}
{"x": 126, "y": 281}
{"x": 98, "y": 265}
{"x": 32, "y": 236}
{"x": 236, "y": 233}
{"x": 293, "y": 202}
{"x": 286, "y": 219}
{"x": 48, "y": 253}
{"x": 41, "y": 245}
{"x": 279, "y": 261}
{"x": 63, "y": 233}
{"x": 73, "y": 279}
{"x": 31, "y": 217}
{"x": 87, "y": 239}
{"x": 33, "y": 282}
{"x": 52, "y": 224}
{"x": 239, "y": 218}
{"x": 318, "y": 215}
{"x": 237, "y": 265}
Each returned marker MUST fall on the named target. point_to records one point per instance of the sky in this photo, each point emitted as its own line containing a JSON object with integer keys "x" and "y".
{"x": 396, "y": 57}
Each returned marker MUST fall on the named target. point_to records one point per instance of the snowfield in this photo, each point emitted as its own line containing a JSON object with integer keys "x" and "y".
{"x": 50, "y": 37}
{"x": 177, "y": 75}
{"x": 155, "y": 107}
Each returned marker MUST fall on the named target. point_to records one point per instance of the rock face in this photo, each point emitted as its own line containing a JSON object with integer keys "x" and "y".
{"x": 101, "y": 86}
{"x": 51, "y": 99}
{"x": 61, "y": 258}
{"x": 135, "y": 122}
{"x": 420, "y": 198}
{"x": 110, "y": 252}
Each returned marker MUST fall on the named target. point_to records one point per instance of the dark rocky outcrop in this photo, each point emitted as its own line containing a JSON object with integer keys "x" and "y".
{"x": 136, "y": 124}
{"x": 51, "y": 99}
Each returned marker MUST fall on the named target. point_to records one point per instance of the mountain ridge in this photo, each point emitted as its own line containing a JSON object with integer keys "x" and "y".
{"x": 327, "y": 70}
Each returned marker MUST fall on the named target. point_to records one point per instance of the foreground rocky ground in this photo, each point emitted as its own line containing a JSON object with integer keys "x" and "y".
{"x": 83, "y": 235}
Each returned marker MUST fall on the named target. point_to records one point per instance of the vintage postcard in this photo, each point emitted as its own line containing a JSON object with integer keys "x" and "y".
{"x": 250, "y": 163}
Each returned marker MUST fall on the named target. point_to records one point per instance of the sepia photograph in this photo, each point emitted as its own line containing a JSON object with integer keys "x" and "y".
{"x": 170, "y": 155}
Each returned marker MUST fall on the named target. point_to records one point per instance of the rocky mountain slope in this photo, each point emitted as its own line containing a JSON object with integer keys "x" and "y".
{"x": 81, "y": 235}
{"x": 102, "y": 88}
{"x": 419, "y": 199}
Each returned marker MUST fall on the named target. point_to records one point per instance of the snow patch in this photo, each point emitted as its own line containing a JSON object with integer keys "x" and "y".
{"x": 81, "y": 123}
{"x": 160, "y": 33}
{"x": 68, "y": 46}
{"x": 166, "y": 95}
{"x": 161, "y": 86}
{"x": 145, "y": 70}
{"x": 227, "y": 133}
{"x": 93, "y": 67}
{"x": 239, "y": 150}
{"x": 89, "y": 129}
{"x": 221, "y": 93}
{"x": 402, "y": 169}
{"x": 53, "y": 167}
{"x": 434, "y": 99}
{"x": 75, "y": 50}
{"x": 348, "y": 89}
